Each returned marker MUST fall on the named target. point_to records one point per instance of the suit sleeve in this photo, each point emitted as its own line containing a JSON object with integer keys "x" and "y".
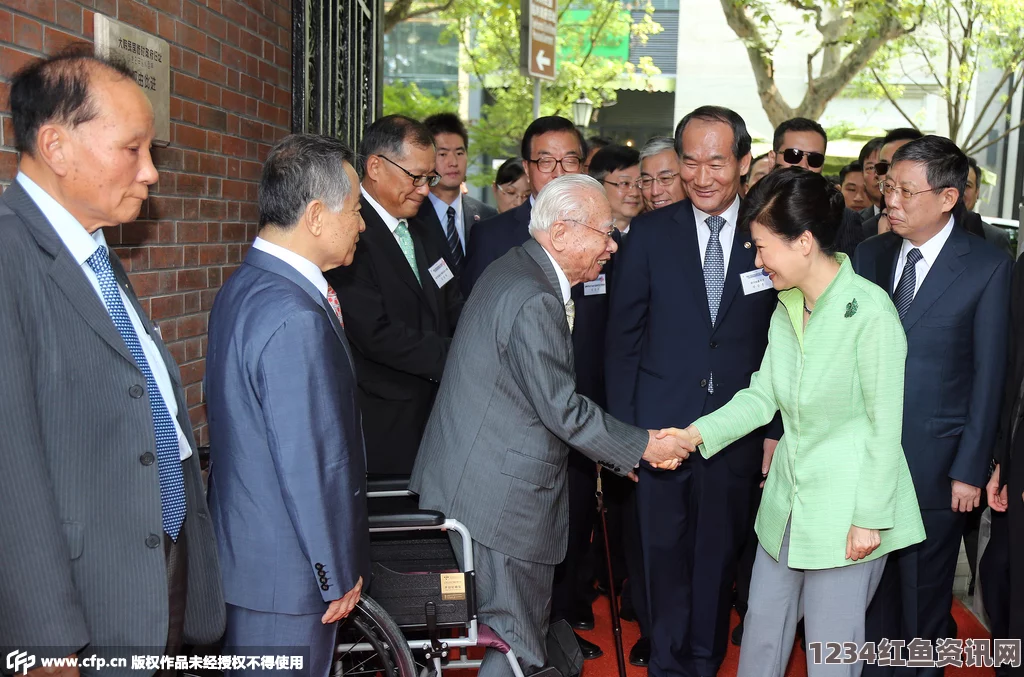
{"x": 40, "y": 603}
{"x": 538, "y": 351}
{"x": 321, "y": 476}
{"x": 991, "y": 326}
{"x": 627, "y": 320}
{"x": 1003, "y": 452}
{"x": 881, "y": 367}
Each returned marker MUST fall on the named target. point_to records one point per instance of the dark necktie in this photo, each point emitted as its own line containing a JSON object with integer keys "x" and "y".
{"x": 168, "y": 455}
{"x": 904, "y": 294}
{"x": 454, "y": 243}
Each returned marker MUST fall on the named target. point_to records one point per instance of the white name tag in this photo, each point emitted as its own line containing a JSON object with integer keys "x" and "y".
{"x": 441, "y": 273}
{"x": 755, "y": 281}
{"x": 596, "y": 287}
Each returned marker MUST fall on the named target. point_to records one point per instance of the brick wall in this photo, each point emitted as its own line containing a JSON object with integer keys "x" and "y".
{"x": 230, "y": 101}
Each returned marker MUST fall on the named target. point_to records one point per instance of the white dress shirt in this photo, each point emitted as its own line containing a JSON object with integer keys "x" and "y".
{"x": 81, "y": 245}
{"x": 725, "y": 236}
{"x": 929, "y": 252}
{"x": 303, "y": 266}
{"x": 441, "y": 207}
{"x": 563, "y": 281}
{"x": 389, "y": 221}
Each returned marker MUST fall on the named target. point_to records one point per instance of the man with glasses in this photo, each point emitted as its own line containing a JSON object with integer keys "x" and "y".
{"x": 868, "y": 159}
{"x": 951, "y": 291}
{"x": 618, "y": 169}
{"x": 399, "y": 300}
{"x": 891, "y": 143}
{"x": 659, "y": 173}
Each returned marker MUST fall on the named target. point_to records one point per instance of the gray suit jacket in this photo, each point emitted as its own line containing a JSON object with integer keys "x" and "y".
{"x": 495, "y": 449}
{"x": 82, "y": 561}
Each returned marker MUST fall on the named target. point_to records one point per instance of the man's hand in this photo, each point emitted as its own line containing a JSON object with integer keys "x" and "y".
{"x": 53, "y": 671}
{"x": 861, "y": 542}
{"x": 965, "y": 497}
{"x": 667, "y": 448}
{"x": 766, "y": 460}
{"x": 997, "y": 500}
{"x": 340, "y": 608}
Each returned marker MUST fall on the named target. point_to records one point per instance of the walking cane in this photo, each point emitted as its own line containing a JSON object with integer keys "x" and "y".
{"x": 612, "y": 598}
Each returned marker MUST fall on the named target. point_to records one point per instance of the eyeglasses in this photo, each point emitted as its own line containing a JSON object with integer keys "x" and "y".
{"x": 792, "y": 156}
{"x": 623, "y": 186}
{"x": 512, "y": 193}
{"x": 882, "y": 168}
{"x": 888, "y": 189}
{"x": 570, "y": 163}
{"x": 607, "y": 233}
{"x": 417, "y": 179}
{"x": 664, "y": 179}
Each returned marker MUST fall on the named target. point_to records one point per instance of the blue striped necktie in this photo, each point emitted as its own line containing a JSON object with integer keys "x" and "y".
{"x": 904, "y": 294}
{"x": 168, "y": 455}
{"x": 454, "y": 243}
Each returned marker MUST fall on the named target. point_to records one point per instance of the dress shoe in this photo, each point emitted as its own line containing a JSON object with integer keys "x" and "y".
{"x": 589, "y": 650}
{"x": 640, "y": 654}
{"x": 582, "y": 618}
{"x": 627, "y": 613}
{"x": 737, "y": 633}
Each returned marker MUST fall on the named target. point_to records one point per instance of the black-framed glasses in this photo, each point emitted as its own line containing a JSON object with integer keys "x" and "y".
{"x": 569, "y": 163}
{"x": 882, "y": 168}
{"x": 417, "y": 179}
{"x": 792, "y": 156}
{"x": 888, "y": 189}
{"x": 664, "y": 179}
{"x": 623, "y": 186}
{"x": 607, "y": 233}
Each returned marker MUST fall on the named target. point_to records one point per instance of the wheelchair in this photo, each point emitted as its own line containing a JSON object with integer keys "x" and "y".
{"x": 423, "y": 606}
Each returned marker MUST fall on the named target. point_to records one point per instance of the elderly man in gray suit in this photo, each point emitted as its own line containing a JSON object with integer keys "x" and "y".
{"x": 107, "y": 541}
{"x": 495, "y": 449}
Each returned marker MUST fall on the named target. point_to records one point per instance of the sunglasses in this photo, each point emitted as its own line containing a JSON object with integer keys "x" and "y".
{"x": 881, "y": 168}
{"x": 792, "y": 156}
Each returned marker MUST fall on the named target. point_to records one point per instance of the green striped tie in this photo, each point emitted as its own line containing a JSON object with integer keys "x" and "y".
{"x": 405, "y": 242}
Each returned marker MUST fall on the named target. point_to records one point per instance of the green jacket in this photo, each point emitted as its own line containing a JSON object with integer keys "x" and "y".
{"x": 840, "y": 389}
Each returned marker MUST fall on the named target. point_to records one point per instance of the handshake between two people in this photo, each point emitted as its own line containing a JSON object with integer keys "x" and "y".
{"x": 669, "y": 447}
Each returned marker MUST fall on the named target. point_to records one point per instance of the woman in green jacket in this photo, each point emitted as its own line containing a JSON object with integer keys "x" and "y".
{"x": 838, "y": 496}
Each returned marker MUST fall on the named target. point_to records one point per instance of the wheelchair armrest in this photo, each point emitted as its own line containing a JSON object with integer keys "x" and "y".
{"x": 403, "y": 512}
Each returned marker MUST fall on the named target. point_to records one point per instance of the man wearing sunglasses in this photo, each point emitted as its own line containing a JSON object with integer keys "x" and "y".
{"x": 892, "y": 142}
{"x": 399, "y": 301}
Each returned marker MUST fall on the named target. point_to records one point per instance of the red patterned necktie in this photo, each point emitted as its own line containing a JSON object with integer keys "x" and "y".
{"x": 332, "y": 298}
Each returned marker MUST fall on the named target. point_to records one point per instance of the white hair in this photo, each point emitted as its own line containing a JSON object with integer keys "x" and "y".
{"x": 658, "y": 144}
{"x": 563, "y": 199}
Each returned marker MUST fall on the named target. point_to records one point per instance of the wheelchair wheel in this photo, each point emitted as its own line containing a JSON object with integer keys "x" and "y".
{"x": 370, "y": 644}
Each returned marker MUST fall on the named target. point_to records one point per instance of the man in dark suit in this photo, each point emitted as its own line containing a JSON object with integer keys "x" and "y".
{"x": 495, "y": 451}
{"x": 107, "y": 544}
{"x": 891, "y": 143}
{"x": 398, "y": 297}
{"x": 447, "y": 212}
{"x": 952, "y": 294}
{"x": 993, "y": 234}
{"x": 868, "y": 158}
{"x": 685, "y": 333}
{"x": 288, "y": 476}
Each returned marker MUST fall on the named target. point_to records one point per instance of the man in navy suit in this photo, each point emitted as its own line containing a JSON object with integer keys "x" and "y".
{"x": 685, "y": 333}
{"x": 288, "y": 485}
{"x": 952, "y": 293}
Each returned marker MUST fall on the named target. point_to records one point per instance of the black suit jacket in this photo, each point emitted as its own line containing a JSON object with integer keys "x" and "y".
{"x": 956, "y": 329}
{"x": 400, "y": 331}
{"x": 473, "y": 213}
{"x": 1008, "y": 444}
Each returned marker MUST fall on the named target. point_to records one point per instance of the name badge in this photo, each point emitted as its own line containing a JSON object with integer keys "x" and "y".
{"x": 755, "y": 281}
{"x": 441, "y": 273}
{"x": 598, "y": 286}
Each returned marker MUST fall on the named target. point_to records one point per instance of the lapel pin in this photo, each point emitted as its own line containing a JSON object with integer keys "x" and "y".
{"x": 476, "y": 217}
{"x": 746, "y": 245}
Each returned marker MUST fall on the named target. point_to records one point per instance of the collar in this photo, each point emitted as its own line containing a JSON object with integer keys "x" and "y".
{"x": 73, "y": 234}
{"x": 930, "y": 249}
{"x": 793, "y": 299}
{"x": 533, "y": 201}
{"x": 441, "y": 207}
{"x": 304, "y": 266}
{"x": 563, "y": 281}
{"x": 731, "y": 214}
{"x": 389, "y": 221}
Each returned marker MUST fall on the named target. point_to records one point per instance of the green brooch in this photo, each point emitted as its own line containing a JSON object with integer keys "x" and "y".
{"x": 851, "y": 308}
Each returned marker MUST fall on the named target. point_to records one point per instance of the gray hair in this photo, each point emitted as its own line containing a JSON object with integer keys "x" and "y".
{"x": 302, "y": 168}
{"x": 658, "y": 144}
{"x": 563, "y": 199}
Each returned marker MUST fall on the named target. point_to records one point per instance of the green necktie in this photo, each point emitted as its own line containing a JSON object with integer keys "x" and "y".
{"x": 405, "y": 242}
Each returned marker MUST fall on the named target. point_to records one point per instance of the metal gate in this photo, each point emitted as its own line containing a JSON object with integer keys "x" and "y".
{"x": 337, "y": 66}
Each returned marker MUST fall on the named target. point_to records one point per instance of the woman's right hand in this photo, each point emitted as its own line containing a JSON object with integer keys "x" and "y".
{"x": 861, "y": 542}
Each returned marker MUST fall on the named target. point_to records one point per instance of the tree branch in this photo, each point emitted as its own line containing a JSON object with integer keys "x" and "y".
{"x": 1007, "y": 74}
{"x": 402, "y": 10}
{"x": 995, "y": 118}
{"x": 760, "y": 61}
{"x": 885, "y": 90}
{"x": 975, "y": 148}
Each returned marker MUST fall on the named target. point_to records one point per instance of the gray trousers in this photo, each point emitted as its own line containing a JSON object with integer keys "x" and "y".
{"x": 832, "y": 603}
{"x": 513, "y": 599}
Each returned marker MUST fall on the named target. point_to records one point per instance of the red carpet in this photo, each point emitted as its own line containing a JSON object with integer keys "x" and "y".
{"x": 606, "y": 666}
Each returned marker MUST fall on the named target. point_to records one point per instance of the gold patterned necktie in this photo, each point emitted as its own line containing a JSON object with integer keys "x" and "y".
{"x": 570, "y": 313}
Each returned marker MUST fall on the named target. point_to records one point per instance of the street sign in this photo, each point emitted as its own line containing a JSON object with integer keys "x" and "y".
{"x": 538, "y": 30}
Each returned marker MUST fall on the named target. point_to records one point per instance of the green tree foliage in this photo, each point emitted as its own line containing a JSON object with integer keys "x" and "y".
{"x": 405, "y": 98}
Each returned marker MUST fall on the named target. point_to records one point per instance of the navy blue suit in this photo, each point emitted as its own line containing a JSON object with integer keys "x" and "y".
{"x": 491, "y": 239}
{"x": 661, "y": 350}
{"x": 956, "y": 329}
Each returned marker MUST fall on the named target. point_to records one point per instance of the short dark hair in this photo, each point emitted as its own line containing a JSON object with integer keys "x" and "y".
{"x": 791, "y": 201}
{"x": 746, "y": 177}
{"x": 57, "y": 89}
{"x": 389, "y": 134}
{"x": 797, "y": 125}
{"x": 510, "y": 171}
{"x": 974, "y": 167}
{"x": 740, "y": 136}
{"x": 872, "y": 146}
{"x": 611, "y": 159}
{"x": 544, "y": 125}
{"x": 299, "y": 169}
{"x": 901, "y": 134}
{"x": 945, "y": 164}
{"x": 447, "y": 123}
{"x": 851, "y": 168}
